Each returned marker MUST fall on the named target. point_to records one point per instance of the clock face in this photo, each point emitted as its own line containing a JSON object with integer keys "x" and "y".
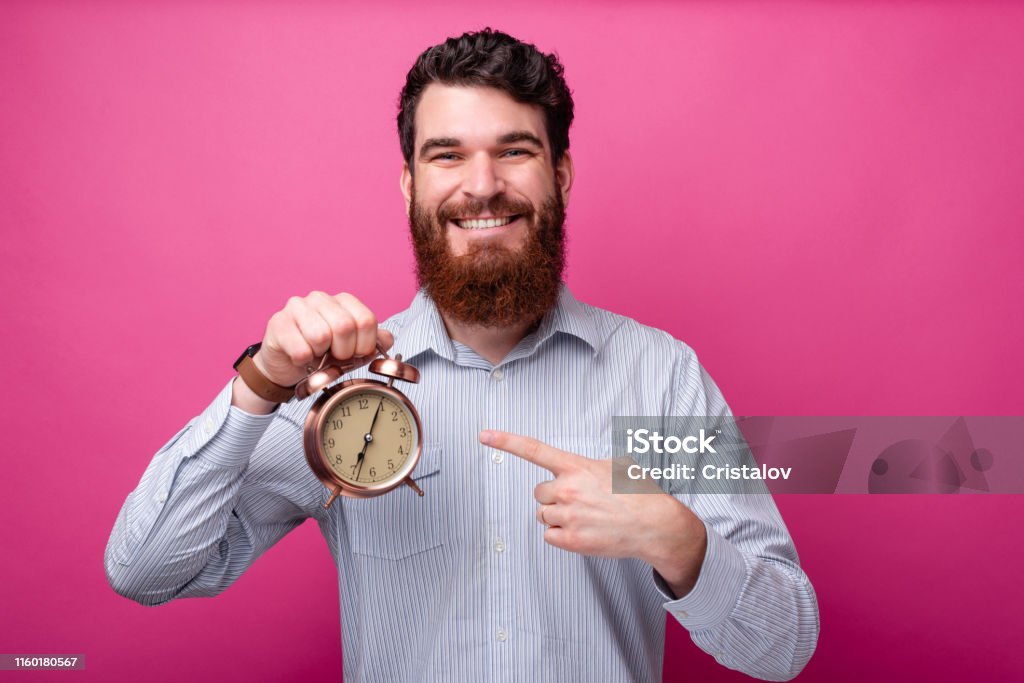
{"x": 368, "y": 438}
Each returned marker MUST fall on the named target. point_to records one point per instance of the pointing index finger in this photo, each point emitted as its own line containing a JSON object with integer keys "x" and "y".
{"x": 530, "y": 449}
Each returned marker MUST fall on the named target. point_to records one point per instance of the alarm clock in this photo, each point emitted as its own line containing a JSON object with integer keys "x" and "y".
{"x": 362, "y": 437}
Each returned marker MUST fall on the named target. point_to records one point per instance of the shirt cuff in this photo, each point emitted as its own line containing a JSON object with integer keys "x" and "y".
{"x": 224, "y": 435}
{"x": 717, "y": 590}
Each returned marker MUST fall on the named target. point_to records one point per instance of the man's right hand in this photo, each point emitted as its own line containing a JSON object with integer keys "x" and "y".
{"x": 307, "y": 328}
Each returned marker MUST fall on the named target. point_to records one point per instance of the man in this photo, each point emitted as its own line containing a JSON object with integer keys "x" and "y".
{"x": 508, "y": 568}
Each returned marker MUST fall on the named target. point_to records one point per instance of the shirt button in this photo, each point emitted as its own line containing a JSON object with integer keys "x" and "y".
{"x": 501, "y": 636}
{"x": 499, "y": 546}
{"x": 208, "y": 426}
{"x": 497, "y": 457}
{"x": 682, "y": 614}
{"x": 497, "y": 374}
{"x": 161, "y": 497}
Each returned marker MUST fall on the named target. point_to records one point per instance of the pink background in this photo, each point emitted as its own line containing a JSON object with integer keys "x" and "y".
{"x": 824, "y": 200}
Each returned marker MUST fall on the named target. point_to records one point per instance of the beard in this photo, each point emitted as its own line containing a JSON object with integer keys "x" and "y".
{"x": 491, "y": 285}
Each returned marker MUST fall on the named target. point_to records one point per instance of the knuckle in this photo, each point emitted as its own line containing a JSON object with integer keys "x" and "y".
{"x": 344, "y": 325}
{"x": 301, "y": 356}
{"x": 365, "y": 320}
{"x": 320, "y": 336}
{"x": 567, "y": 494}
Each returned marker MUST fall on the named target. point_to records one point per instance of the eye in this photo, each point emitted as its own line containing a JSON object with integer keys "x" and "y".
{"x": 517, "y": 153}
{"x": 444, "y": 156}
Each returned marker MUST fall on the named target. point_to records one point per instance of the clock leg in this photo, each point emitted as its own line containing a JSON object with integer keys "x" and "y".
{"x": 334, "y": 494}
{"x": 413, "y": 485}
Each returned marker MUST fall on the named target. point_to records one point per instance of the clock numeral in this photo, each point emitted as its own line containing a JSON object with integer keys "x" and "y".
{"x": 394, "y": 416}
{"x": 400, "y": 451}
{"x": 346, "y": 411}
{"x": 373, "y": 471}
{"x": 402, "y": 431}
{"x": 336, "y": 424}
{"x": 337, "y": 460}
{"x": 364, "y": 403}
{"x": 354, "y": 470}
{"x": 391, "y": 465}
{"x": 330, "y": 442}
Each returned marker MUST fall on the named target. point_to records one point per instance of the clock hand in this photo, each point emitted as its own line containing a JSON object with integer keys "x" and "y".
{"x": 360, "y": 469}
{"x": 376, "y": 414}
{"x": 368, "y": 438}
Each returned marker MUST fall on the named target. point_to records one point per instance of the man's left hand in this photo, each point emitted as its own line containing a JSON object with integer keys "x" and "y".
{"x": 582, "y": 514}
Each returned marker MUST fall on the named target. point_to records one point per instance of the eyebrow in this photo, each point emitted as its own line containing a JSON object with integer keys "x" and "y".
{"x": 521, "y": 136}
{"x": 430, "y": 144}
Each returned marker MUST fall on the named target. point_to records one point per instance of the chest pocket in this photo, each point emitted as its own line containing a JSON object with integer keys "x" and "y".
{"x": 400, "y": 523}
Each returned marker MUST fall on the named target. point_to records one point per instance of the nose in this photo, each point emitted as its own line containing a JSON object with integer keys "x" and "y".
{"x": 483, "y": 178}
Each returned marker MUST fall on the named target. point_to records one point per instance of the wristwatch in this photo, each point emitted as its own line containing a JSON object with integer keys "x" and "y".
{"x": 257, "y": 381}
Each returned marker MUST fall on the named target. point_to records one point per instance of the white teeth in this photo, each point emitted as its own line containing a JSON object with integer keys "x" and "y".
{"x": 483, "y": 223}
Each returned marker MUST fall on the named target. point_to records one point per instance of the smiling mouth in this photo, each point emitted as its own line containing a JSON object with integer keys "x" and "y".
{"x": 483, "y": 223}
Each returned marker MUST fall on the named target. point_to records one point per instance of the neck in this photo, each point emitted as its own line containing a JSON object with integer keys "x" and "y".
{"x": 492, "y": 343}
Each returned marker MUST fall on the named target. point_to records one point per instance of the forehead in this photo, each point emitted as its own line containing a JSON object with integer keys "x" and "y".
{"x": 474, "y": 115}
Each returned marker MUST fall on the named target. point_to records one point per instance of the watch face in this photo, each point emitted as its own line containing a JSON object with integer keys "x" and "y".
{"x": 368, "y": 437}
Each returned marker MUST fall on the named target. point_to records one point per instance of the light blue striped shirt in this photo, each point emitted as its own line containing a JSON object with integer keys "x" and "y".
{"x": 459, "y": 584}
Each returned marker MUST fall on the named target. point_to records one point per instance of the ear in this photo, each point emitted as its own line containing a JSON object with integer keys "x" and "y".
{"x": 405, "y": 183}
{"x": 564, "y": 174}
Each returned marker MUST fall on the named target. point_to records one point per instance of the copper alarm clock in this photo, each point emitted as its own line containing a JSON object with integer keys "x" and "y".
{"x": 362, "y": 437}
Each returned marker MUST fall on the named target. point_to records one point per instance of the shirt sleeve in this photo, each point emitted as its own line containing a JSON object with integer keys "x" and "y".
{"x": 753, "y": 608}
{"x": 220, "y": 493}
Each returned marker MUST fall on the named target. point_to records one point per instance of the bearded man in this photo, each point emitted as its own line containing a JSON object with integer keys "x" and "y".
{"x": 519, "y": 562}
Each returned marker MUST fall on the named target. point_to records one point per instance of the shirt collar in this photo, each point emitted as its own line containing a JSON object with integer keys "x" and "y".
{"x": 570, "y": 317}
{"x": 422, "y": 328}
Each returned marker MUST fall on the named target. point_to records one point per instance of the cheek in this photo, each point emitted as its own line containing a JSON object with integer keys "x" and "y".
{"x": 434, "y": 187}
{"x": 537, "y": 180}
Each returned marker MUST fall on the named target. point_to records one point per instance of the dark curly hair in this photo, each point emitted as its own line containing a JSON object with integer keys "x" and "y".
{"x": 497, "y": 60}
